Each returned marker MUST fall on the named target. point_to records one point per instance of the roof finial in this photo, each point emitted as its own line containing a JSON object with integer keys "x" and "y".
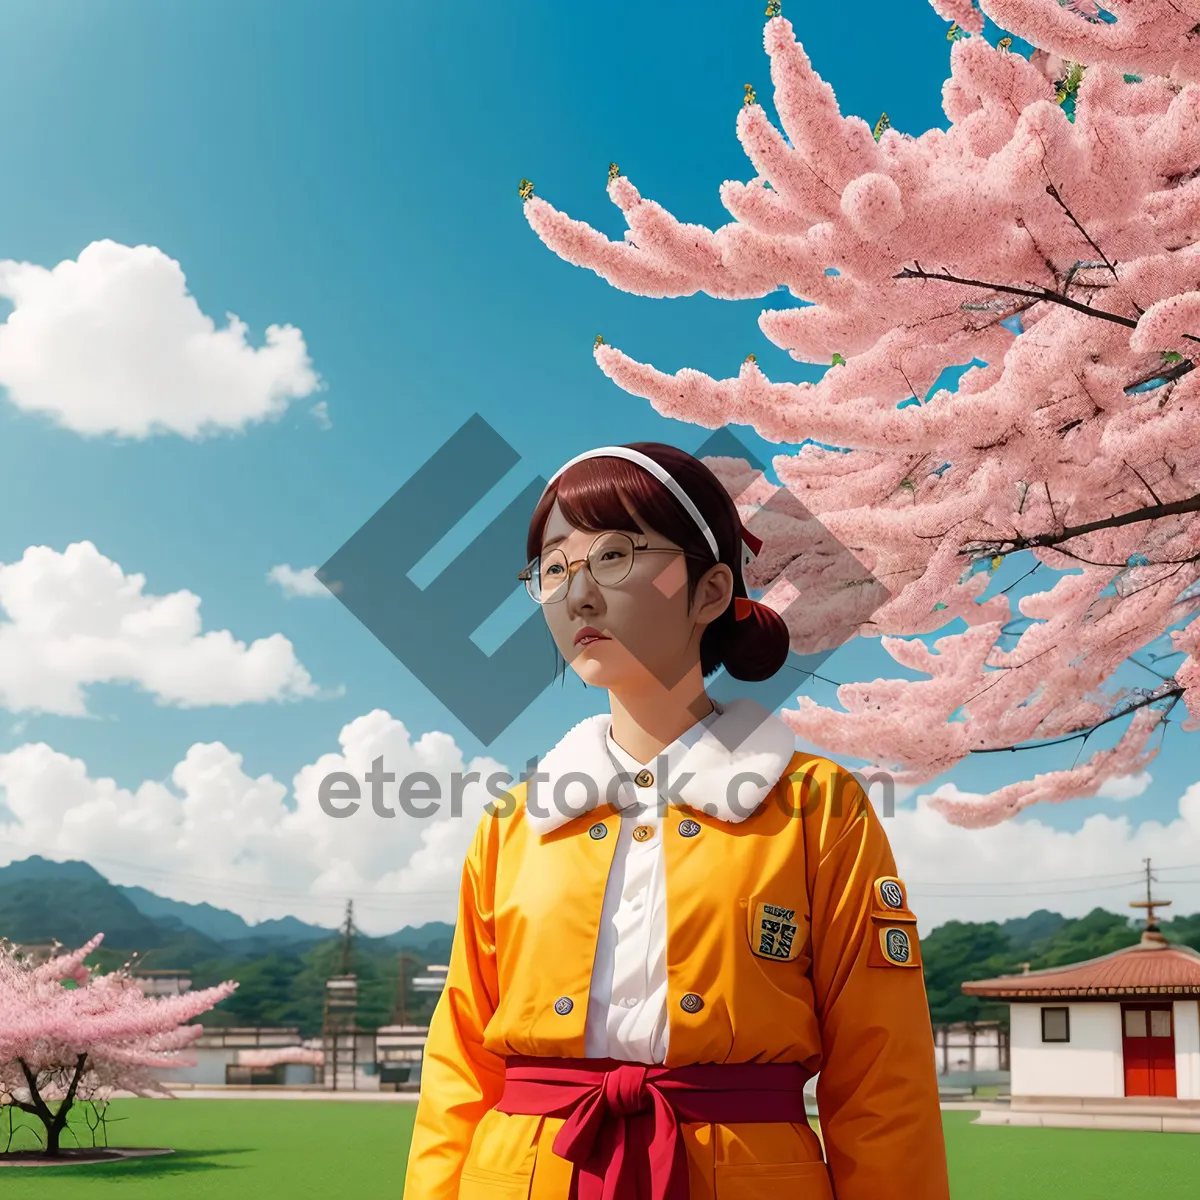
{"x": 1151, "y": 936}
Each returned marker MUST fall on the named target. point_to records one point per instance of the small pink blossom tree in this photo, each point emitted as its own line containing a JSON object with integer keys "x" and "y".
{"x": 62, "y": 1044}
{"x": 1051, "y": 249}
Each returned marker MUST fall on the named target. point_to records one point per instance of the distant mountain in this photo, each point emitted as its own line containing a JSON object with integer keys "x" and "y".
{"x": 1024, "y": 931}
{"x": 41, "y": 900}
{"x": 218, "y": 923}
{"x": 422, "y": 937}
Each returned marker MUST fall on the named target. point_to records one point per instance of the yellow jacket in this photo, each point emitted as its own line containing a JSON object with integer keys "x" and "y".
{"x": 792, "y": 929}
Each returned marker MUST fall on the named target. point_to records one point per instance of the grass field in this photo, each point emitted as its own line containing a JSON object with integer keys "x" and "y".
{"x": 277, "y": 1149}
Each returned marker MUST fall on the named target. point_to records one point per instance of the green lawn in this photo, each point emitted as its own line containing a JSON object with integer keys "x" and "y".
{"x": 300, "y": 1148}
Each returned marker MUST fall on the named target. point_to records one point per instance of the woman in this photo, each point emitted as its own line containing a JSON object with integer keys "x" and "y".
{"x": 679, "y": 919}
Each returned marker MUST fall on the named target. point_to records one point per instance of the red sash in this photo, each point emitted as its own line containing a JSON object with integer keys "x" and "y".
{"x": 622, "y": 1128}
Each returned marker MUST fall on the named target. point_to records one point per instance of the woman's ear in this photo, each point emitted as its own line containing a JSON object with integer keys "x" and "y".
{"x": 714, "y": 594}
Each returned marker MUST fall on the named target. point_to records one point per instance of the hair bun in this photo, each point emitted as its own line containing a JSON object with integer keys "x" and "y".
{"x": 756, "y": 642}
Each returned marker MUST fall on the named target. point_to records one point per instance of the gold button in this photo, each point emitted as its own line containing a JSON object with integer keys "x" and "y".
{"x": 642, "y": 832}
{"x": 643, "y": 778}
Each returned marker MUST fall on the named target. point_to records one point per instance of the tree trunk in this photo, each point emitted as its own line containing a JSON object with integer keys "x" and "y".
{"x": 54, "y": 1122}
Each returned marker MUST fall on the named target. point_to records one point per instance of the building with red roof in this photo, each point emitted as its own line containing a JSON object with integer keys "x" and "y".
{"x": 1111, "y": 1042}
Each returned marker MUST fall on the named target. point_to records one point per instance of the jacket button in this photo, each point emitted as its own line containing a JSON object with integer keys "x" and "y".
{"x": 689, "y": 828}
{"x": 691, "y": 1002}
{"x": 598, "y": 830}
{"x": 642, "y": 832}
{"x": 643, "y": 778}
{"x": 563, "y": 1005}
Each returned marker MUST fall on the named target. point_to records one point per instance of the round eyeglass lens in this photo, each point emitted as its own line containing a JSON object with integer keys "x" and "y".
{"x": 609, "y": 560}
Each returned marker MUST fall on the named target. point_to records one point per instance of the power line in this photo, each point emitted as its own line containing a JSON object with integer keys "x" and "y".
{"x": 248, "y": 888}
{"x": 1134, "y": 876}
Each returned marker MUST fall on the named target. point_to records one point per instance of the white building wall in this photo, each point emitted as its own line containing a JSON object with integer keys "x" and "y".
{"x": 1187, "y": 1049}
{"x": 1090, "y": 1064}
{"x": 209, "y": 1069}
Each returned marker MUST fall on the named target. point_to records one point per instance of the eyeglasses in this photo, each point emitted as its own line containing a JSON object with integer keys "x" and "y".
{"x": 610, "y": 559}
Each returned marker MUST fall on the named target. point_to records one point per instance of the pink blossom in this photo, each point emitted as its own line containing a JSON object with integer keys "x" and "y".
{"x": 87, "y": 1041}
{"x": 271, "y": 1056}
{"x": 1059, "y": 253}
{"x": 1149, "y": 37}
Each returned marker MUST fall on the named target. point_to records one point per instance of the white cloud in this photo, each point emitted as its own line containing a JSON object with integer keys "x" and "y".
{"x": 298, "y": 582}
{"x": 213, "y": 832}
{"x": 1125, "y": 787}
{"x": 113, "y": 343}
{"x": 1013, "y": 868}
{"x": 320, "y": 412}
{"x": 77, "y": 618}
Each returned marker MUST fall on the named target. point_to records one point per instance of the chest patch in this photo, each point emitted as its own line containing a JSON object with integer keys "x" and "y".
{"x": 774, "y": 932}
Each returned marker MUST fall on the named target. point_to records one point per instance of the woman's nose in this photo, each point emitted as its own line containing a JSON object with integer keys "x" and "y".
{"x": 575, "y": 570}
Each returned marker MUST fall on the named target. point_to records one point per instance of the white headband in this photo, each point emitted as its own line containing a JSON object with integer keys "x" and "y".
{"x": 750, "y": 544}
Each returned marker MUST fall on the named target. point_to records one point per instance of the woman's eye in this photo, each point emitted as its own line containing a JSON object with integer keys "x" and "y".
{"x": 551, "y": 569}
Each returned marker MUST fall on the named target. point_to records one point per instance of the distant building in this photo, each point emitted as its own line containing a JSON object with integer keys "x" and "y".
{"x": 971, "y": 1047}
{"x": 37, "y": 952}
{"x": 349, "y": 1049}
{"x": 1112, "y": 1042}
{"x": 216, "y": 1053}
{"x": 399, "y": 1051}
{"x": 433, "y": 981}
{"x": 156, "y": 982}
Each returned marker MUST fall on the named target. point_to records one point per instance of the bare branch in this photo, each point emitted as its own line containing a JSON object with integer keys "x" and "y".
{"x": 1035, "y": 293}
{"x": 1145, "y": 702}
{"x": 1152, "y": 512}
{"x": 1052, "y": 192}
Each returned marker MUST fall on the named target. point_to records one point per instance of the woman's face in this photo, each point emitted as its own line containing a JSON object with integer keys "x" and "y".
{"x": 650, "y": 638}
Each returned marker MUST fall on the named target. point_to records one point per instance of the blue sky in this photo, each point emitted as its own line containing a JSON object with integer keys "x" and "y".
{"x": 351, "y": 170}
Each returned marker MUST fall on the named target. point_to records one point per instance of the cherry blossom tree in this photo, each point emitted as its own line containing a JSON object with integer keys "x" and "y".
{"x": 68, "y": 1035}
{"x": 1045, "y": 242}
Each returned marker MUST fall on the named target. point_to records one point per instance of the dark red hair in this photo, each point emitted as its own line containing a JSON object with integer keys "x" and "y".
{"x": 589, "y": 495}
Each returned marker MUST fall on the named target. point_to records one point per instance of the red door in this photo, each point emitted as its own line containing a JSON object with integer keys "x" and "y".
{"x": 1148, "y": 1042}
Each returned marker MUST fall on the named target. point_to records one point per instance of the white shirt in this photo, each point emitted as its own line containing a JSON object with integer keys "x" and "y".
{"x": 724, "y": 766}
{"x": 627, "y": 1003}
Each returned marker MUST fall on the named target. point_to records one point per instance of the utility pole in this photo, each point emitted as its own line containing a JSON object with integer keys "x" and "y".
{"x": 400, "y": 1011}
{"x": 340, "y": 1025}
{"x": 348, "y": 939}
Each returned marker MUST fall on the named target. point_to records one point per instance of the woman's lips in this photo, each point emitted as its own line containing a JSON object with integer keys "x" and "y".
{"x": 587, "y": 635}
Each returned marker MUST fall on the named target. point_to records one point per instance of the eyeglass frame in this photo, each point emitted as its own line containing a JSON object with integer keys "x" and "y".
{"x": 526, "y": 573}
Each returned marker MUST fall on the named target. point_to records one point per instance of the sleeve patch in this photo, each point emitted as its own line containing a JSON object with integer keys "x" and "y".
{"x": 889, "y": 899}
{"x": 893, "y": 944}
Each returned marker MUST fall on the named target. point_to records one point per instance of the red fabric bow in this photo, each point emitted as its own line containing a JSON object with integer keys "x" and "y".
{"x": 742, "y": 607}
{"x": 622, "y": 1118}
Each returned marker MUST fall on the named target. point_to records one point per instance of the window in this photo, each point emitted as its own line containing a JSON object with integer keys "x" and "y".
{"x": 1160, "y": 1022}
{"x": 1056, "y": 1026}
{"x": 1135, "y": 1022}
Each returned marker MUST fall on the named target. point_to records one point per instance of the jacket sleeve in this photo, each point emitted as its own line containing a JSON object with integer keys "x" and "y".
{"x": 460, "y": 1080}
{"x": 877, "y": 1095}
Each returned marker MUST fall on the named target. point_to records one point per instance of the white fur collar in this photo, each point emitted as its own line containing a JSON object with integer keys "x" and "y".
{"x": 733, "y": 757}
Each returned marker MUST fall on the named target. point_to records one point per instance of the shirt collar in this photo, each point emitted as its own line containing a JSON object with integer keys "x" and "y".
{"x": 723, "y": 766}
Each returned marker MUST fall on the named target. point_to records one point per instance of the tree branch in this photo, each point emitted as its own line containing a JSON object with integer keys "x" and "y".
{"x": 60, "y": 1117}
{"x": 1145, "y": 702}
{"x": 1151, "y": 512}
{"x": 1177, "y": 371}
{"x": 1052, "y": 192}
{"x": 1036, "y": 293}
